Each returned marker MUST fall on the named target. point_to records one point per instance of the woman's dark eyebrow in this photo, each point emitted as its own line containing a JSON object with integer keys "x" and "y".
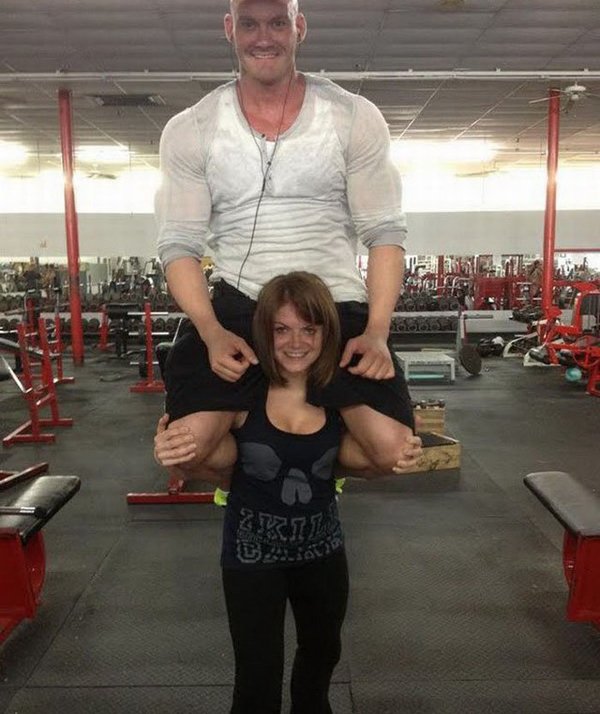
{"x": 307, "y": 323}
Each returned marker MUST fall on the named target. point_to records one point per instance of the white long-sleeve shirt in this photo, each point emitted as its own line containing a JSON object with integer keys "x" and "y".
{"x": 331, "y": 183}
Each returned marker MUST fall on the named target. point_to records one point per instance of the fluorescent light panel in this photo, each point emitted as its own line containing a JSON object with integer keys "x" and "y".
{"x": 110, "y": 154}
{"x": 459, "y": 151}
{"x": 12, "y": 154}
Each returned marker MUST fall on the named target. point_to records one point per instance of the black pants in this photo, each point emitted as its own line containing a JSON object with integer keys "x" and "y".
{"x": 256, "y": 602}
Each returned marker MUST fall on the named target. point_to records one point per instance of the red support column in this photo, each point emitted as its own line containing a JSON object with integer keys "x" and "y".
{"x": 66, "y": 139}
{"x": 550, "y": 215}
{"x": 440, "y": 274}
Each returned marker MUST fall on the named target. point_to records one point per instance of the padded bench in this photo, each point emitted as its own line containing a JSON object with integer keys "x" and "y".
{"x": 27, "y": 502}
{"x": 13, "y": 347}
{"x": 577, "y": 508}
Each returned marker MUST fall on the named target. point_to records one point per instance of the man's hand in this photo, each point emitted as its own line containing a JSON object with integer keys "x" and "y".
{"x": 229, "y": 355}
{"x": 412, "y": 450}
{"x": 375, "y": 362}
{"x": 173, "y": 445}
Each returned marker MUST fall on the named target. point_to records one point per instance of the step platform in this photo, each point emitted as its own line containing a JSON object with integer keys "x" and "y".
{"x": 439, "y": 453}
{"x": 430, "y": 415}
{"x": 427, "y": 367}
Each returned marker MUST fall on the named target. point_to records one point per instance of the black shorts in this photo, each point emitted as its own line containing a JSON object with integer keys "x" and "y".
{"x": 192, "y": 386}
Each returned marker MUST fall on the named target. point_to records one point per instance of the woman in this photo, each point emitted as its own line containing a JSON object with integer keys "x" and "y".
{"x": 282, "y": 538}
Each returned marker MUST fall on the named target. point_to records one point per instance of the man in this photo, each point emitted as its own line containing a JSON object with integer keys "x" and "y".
{"x": 274, "y": 172}
{"x": 535, "y": 274}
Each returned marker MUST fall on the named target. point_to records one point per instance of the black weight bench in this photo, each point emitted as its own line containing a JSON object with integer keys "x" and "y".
{"x": 14, "y": 348}
{"x": 577, "y": 508}
{"x": 27, "y": 502}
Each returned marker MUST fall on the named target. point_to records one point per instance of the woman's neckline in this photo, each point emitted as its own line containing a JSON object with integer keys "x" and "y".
{"x": 285, "y": 431}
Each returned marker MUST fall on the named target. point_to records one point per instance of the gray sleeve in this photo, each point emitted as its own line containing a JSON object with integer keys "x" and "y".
{"x": 373, "y": 182}
{"x": 183, "y": 202}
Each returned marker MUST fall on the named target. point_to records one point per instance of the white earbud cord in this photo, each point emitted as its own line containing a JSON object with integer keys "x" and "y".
{"x": 264, "y": 170}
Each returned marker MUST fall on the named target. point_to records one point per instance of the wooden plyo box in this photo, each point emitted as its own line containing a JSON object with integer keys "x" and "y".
{"x": 430, "y": 419}
{"x": 439, "y": 453}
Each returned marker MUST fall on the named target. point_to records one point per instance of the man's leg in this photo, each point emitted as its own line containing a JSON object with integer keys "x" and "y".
{"x": 214, "y": 445}
{"x": 382, "y": 439}
{"x": 197, "y": 446}
{"x": 256, "y": 602}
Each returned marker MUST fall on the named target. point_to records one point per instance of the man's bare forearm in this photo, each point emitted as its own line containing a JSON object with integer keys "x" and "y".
{"x": 189, "y": 288}
{"x": 384, "y": 283}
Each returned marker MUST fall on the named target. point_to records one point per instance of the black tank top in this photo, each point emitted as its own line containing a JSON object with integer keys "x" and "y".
{"x": 281, "y": 510}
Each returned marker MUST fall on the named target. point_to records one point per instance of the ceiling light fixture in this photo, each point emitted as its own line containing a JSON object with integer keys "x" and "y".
{"x": 128, "y": 100}
{"x": 115, "y": 154}
{"x": 12, "y": 154}
{"x": 460, "y": 151}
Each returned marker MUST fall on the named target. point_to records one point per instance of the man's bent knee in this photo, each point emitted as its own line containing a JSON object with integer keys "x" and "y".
{"x": 382, "y": 438}
{"x": 208, "y": 429}
{"x": 385, "y": 450}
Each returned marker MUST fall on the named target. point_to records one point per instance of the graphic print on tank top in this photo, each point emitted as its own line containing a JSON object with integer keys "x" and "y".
{"x": 281, "y": 509}
{"x": 261, "y": 462}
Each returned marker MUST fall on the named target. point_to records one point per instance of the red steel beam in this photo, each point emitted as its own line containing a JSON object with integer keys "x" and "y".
{"x": 66, "y": 141}
{"x": 440, "y": 274}
{"x": 550, "y": 215}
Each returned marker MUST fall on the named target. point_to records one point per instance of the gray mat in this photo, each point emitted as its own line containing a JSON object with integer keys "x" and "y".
{"x": 153, "y": 616}
{"x": 149, "y": 700}
{"x": 149, "y": 617}
{"x": 72, "y": 560}
{"x": 485, "y": 604}
{"x": 516, "y": 696}
{"x": 457, "y": 599}
{"x": 6, "y": 694}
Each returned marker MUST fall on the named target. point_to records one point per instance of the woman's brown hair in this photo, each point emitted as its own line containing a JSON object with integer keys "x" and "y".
{"x": 311, "y": 298}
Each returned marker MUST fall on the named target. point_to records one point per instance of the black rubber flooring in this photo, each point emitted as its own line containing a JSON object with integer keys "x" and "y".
{"x": 457, "y": 601}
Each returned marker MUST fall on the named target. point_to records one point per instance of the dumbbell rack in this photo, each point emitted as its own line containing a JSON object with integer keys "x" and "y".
{"x": 414, "y": 332}
{"x": 488, "y": 322}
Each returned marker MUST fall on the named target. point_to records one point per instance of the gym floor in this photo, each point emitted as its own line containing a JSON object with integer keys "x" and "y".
{"x": 457, "y": 602}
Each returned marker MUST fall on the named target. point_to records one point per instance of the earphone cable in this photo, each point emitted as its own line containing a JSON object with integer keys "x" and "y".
{"x": 264, "y": 170}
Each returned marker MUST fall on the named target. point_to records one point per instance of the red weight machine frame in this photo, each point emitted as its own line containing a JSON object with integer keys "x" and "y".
{"x": 584, "y": 348}
{"x": 24, "y": 567}
{"x": 581, "y": 556}
{"x": 55, "y": 347}
{"x": 104, "y": 344}
{"x": 37, "y": 395}
{"x": 149, "y": 384}
{"x": 577, "y": 510}
{"x": 173, "y": 494}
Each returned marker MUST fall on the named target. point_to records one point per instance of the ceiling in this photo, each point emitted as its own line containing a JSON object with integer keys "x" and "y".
{"x": 438, "y": 69}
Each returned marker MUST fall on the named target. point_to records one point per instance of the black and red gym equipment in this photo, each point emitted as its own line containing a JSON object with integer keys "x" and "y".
{"x": 577, "y": 508}
{"x": 27, "y": 502}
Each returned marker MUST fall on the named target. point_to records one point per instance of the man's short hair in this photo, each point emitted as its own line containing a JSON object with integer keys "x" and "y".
{"x": 312, "y": 300}
{"x": 233, "y": 3}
